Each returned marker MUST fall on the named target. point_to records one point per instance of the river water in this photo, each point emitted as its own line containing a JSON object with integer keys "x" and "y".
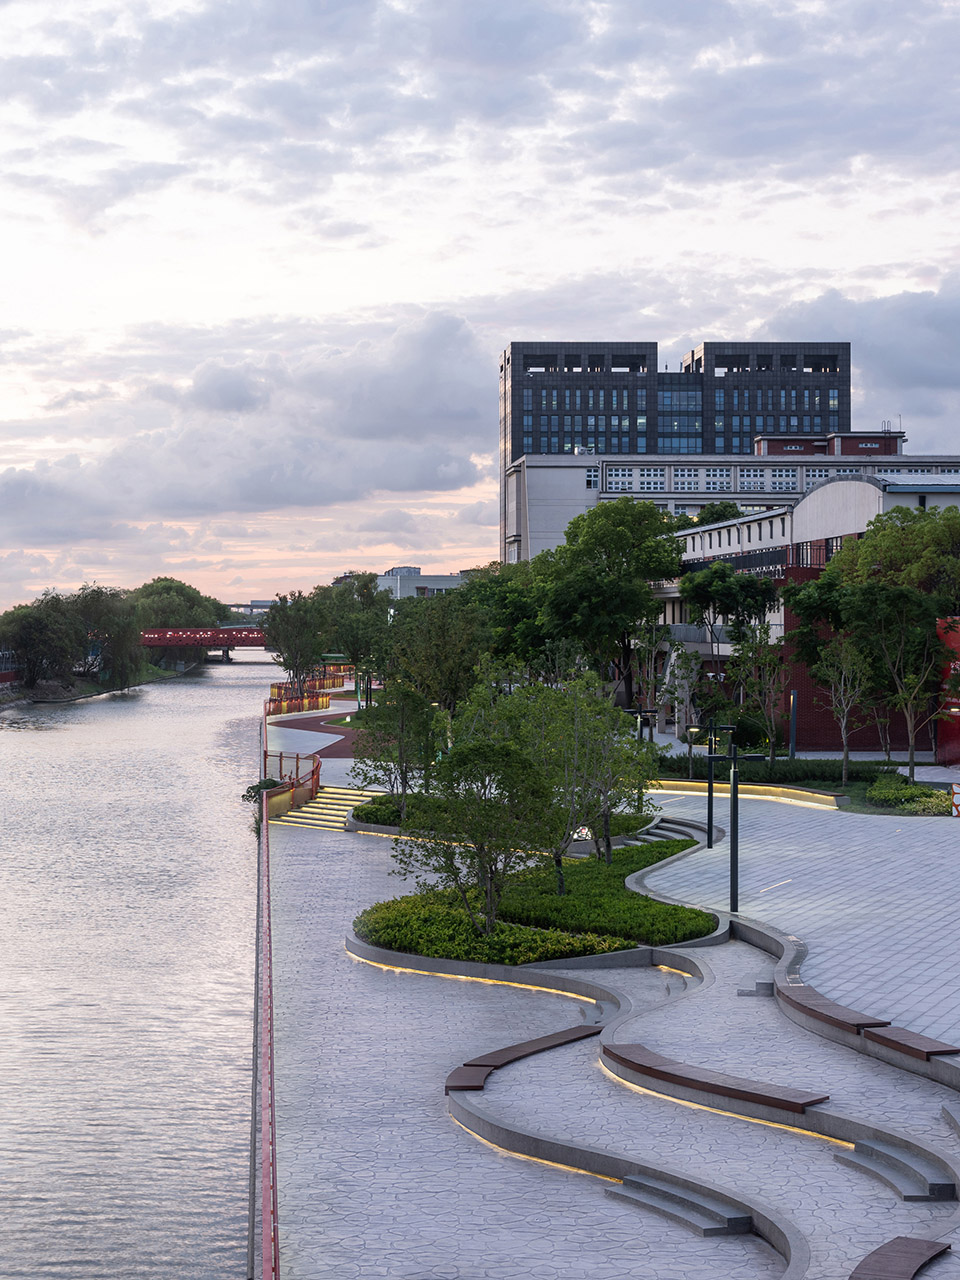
{"x": 127, "y": 922}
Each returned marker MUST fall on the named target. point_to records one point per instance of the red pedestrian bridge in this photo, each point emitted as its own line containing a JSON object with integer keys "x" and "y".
{"x": 203, "y": 637}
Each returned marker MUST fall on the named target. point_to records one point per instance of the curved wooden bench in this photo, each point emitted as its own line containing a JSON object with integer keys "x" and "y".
{"x": 809, "y": 1000}
{"x": 898, "y": 1259}
{"x": 644, "y": 1061}
{"x": 473, "y": 1074}
{"x": 909, "y": 1042}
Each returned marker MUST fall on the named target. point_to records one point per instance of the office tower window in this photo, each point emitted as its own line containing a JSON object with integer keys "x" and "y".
{"x": 834, "y": 399}
{"x": 718, "y": 399}
{"x": 528, "y": 397}
{"x": 528, "y": 419}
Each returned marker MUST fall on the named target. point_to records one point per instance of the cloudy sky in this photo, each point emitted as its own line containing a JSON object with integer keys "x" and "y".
{"x": 259, "y": 258}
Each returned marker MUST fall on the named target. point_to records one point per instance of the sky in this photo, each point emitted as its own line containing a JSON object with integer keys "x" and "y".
{"x": 259, "y": 259}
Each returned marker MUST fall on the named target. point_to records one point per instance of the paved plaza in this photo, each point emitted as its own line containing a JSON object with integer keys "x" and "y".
{"x": 376, "y": 1180}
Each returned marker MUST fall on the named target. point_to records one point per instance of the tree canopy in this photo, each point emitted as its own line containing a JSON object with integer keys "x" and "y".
{"x": 598, "y": 586}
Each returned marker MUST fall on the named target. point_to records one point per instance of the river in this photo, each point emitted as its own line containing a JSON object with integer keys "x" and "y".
{"x": 127, "y": 922}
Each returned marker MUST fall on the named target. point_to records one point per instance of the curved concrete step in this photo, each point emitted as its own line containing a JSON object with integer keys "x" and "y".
{"x": 702, "y": 1213}
{"x": 912, "y": 1176}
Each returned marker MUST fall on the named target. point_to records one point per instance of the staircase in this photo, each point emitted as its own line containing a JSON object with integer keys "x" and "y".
{"x": 910, "y": 1174}
{"x": 328, "y": 812}
{"x": 705, "y": 1214}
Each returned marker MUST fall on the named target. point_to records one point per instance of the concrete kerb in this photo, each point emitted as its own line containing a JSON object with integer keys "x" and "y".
{"x": 782, "y": 1234}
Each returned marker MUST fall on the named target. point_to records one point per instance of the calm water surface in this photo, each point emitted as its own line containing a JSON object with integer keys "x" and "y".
{"x": 127, "y": 919}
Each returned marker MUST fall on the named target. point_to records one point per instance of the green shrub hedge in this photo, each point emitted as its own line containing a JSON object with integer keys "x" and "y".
{"x": 597, "y": 914}
{"x": 785, "y": 772}
{"x": 432, "y": 924}
{"x": 894, "y": 791}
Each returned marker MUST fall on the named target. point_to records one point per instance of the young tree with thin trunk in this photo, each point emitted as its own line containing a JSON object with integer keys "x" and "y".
{"x": 761, "y": 668}
{"x": 489, "y": 799}
{"x": 845, "y": 671}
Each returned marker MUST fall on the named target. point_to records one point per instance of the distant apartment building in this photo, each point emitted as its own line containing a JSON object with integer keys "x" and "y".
{"x": 408, "y": 580}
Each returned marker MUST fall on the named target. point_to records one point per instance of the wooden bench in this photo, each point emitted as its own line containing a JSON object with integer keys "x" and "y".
{"x": 473, "y": 1074}
{"x": 898, "y": 1259}
{"x": 909, "y": 1042}
{"x": 644, "y": 1061}
{"x": 809, "y": 1000}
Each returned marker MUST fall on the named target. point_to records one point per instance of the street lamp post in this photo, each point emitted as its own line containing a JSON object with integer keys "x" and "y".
{"x": 733, "y": 758}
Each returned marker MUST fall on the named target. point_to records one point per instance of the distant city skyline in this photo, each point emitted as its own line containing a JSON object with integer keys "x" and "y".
{"x": 260, "y": 260}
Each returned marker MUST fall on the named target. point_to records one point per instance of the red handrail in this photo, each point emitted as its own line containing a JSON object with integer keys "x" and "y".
{"x": 268, "y": 1146}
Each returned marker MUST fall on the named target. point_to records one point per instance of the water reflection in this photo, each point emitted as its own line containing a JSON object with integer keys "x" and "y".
{"x": 126, "y": 946}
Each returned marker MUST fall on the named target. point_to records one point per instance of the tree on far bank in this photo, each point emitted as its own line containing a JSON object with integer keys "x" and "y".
{"x": 168, "y": 602}
{"x": 46, "y": 637}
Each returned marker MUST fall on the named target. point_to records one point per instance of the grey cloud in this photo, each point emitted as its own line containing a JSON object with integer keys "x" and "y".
{"x": 400, "y": 411}
{"x": 301, "y": 92}
{"x": 904, "y": 356}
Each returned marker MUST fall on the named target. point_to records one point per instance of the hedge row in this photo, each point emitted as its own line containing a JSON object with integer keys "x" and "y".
{"x": 597, "y": 914}
{"x": 894, "y": 791}
{"x": 805, "y": 772}
{"x": 432, "y": 924}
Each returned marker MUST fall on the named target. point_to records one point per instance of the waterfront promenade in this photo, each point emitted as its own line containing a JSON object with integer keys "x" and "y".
{"x": 375, "y": 1179}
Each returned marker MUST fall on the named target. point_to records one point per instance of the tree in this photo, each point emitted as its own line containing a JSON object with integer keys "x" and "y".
{"x": 833, "y": 657}
{"x": 290, "y": 627}
{"x": 720, "y": 594}
{"x": 898, "y": 626}
{"x": 845, "y": 671}
{"x": 893, "y": 626}
{"x": 761, "y": 668}
{"x": 435, "y": 646}
{"x": 352, "y": 617}
{"x": 396, "y": 743}
{"x": 599, "y": 583}
{"x": 717, "y": 512}
{"x": 652, "y": 647}
{"x": 907, "y": 547}
{"x": 109, "y": 618}
{"x": 490, "y": 796}
{"x": 508, "y": 597}
{"x": 167, "y": 602}
{"x": 585, "y": 750}
{"x": 47, "y": 638}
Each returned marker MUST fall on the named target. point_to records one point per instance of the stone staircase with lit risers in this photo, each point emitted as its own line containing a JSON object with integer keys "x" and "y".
{"x": 328, "y": 812}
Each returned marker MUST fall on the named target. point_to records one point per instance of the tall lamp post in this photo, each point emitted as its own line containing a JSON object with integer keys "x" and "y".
{"x": 733, "y": 757}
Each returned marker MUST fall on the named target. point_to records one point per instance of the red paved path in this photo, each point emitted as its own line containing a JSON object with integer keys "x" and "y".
{"x": 339, "y": 748}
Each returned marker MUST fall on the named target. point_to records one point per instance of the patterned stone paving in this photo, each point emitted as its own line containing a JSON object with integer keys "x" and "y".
{"x": 376, "y": 1180}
